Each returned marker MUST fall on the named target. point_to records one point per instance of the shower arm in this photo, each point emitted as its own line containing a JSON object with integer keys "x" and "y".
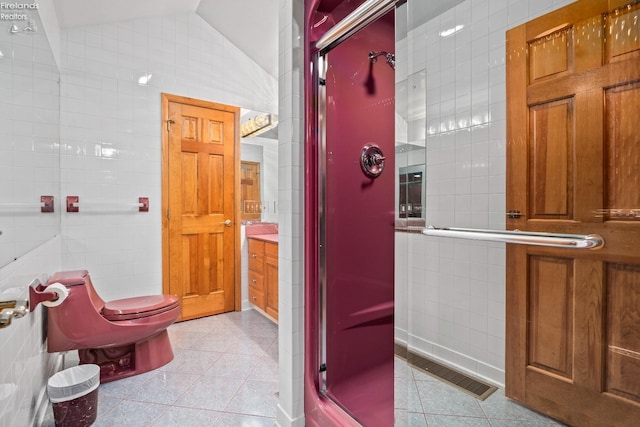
{"x": 391, "y": 58}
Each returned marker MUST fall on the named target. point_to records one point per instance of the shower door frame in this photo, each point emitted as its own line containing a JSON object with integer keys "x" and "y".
{"x": 320, "y": 409}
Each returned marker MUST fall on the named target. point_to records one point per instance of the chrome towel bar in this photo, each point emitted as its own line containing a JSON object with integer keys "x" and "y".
{"x": 557, "y": 240}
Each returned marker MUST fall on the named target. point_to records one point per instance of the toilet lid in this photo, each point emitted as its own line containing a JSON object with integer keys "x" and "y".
{"x": 134, "y": 308}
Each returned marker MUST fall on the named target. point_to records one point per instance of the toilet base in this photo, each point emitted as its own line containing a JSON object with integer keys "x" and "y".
{"x": 131, "y": 359}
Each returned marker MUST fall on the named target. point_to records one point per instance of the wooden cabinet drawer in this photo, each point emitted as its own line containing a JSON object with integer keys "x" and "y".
{"x": 256, "y": 281}
{"x": 257, "y": 298}
{"x": 256, "y": 255}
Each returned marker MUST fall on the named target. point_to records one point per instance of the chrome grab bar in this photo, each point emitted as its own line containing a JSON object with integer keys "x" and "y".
{"x": 362, "y": 16}
{"x": 557, "y": 240}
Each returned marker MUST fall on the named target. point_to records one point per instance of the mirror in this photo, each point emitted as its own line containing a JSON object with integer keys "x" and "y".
{"x": 411, "y": 173}
{"x": 411, "y": 191}
{"x": 29, "y": 138}
{"x": 259, "y": 168}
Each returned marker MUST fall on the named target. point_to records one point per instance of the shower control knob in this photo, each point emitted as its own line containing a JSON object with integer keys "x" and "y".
{"x": 372, "y": 160}
{"x": 377, "y": 159}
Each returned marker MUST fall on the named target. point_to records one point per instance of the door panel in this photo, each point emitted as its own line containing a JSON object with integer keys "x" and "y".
{"x": 200, "y": 160}
{"x": 623, "y": 335}
{"x": 573, "y": 152}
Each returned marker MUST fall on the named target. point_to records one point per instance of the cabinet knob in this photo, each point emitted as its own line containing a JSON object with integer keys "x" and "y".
{"x": 254, "y": 297}
{"x": 254, "y": 281}
{"x": 253, "y": 255}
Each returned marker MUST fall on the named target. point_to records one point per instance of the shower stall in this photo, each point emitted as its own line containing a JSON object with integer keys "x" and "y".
{"x": 471, "y": 201}
{"x": 350, "y": 354}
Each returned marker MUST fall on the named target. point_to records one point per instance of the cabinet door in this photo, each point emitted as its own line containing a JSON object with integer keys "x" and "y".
{"x": 271, "y": 283}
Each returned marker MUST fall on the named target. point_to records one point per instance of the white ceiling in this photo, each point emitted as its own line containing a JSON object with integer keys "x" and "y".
{"x": 251, "y": 25}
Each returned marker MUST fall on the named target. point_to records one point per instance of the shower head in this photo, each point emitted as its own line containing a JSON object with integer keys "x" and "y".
{"x": 391, "y": 58}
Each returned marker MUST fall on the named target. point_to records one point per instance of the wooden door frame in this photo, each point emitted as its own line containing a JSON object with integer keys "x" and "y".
{"x": 166, "y": 99}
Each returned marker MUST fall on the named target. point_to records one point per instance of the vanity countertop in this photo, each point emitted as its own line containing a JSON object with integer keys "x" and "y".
{"x": 266, "y": 231}
{"x": 273, "y": 237}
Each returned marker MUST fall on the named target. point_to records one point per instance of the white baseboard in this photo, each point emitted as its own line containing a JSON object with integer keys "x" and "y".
{"x": 284, "y": 420}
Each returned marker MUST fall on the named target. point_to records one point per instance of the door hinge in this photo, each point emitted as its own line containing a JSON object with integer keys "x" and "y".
{"x": 168, "y": 213}
{"x": 169, "y": 123}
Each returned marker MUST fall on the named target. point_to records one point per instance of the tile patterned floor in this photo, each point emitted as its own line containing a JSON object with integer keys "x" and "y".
{"x": 225, "y": 374}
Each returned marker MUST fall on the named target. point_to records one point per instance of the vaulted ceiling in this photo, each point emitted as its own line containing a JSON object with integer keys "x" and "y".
{"x": 251, "y": 25}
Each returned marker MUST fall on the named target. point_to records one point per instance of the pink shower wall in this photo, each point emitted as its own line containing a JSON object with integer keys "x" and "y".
{"x": 359, "y": 246}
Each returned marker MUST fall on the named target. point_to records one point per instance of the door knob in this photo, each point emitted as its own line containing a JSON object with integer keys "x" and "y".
{"x": 227, "y": 223}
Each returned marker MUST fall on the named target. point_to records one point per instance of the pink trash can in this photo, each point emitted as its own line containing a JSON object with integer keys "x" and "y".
{"x": 74, "y": 395}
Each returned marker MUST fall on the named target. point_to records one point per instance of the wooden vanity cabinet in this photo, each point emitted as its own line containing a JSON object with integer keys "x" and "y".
{"x": 263, "y": 276}
{"x": 271, "y": 278}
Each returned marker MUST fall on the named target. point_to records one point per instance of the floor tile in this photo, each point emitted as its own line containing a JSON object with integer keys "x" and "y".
{"x": 454, "y": 421}
{"x": 185, "y": 339}
{"x": 442, "y": 399}
{"x": 524, "y": 423}
{"x": 241, "y": 420}
{"x": 225, "y": 374}
{"x": 253, "y": 345}
{"x": 132, "y": 414}
{"x": 401, "y": 392}
{"x": 266, "y": 370}
{"x": 497, "y": 406}
{"x": 255, "y": 398}
{"x": 175, "y": 416}
{"x": 191, "y": 361}
{"x": 208, "y": 392}
{"x": 164, "y": 387}
{"x": 234, "y": 366}
{"x": 126, "y": 387}
{"x": 403, "y": 418}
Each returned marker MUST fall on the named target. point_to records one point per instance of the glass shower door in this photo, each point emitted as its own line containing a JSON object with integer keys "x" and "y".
{"x": 357, "y": 226}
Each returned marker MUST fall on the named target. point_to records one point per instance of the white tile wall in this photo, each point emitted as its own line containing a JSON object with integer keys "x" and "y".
{"x": 29, "y": 139}
{"x": 290, "y": 214}
{"x": 110, "y": 133}
{"x": 455, "y": 290}
{"x": 26, "y": 365}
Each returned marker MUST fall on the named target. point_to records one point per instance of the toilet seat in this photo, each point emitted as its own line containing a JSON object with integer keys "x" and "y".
{"x": 138, "y": 307}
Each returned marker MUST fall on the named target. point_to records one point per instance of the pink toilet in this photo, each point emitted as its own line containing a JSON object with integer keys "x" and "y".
{"x": 125, "y": 337}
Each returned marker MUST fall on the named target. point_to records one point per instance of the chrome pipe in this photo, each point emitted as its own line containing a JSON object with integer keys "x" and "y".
{"x": 557, "y": 240}
{"x": 362, "y": 16}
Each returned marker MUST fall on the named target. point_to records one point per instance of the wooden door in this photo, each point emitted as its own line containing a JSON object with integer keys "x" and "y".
{"x": 250, "y": 188}
{"x": 573, "y": 166}
{"x": 200, "y": 233}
